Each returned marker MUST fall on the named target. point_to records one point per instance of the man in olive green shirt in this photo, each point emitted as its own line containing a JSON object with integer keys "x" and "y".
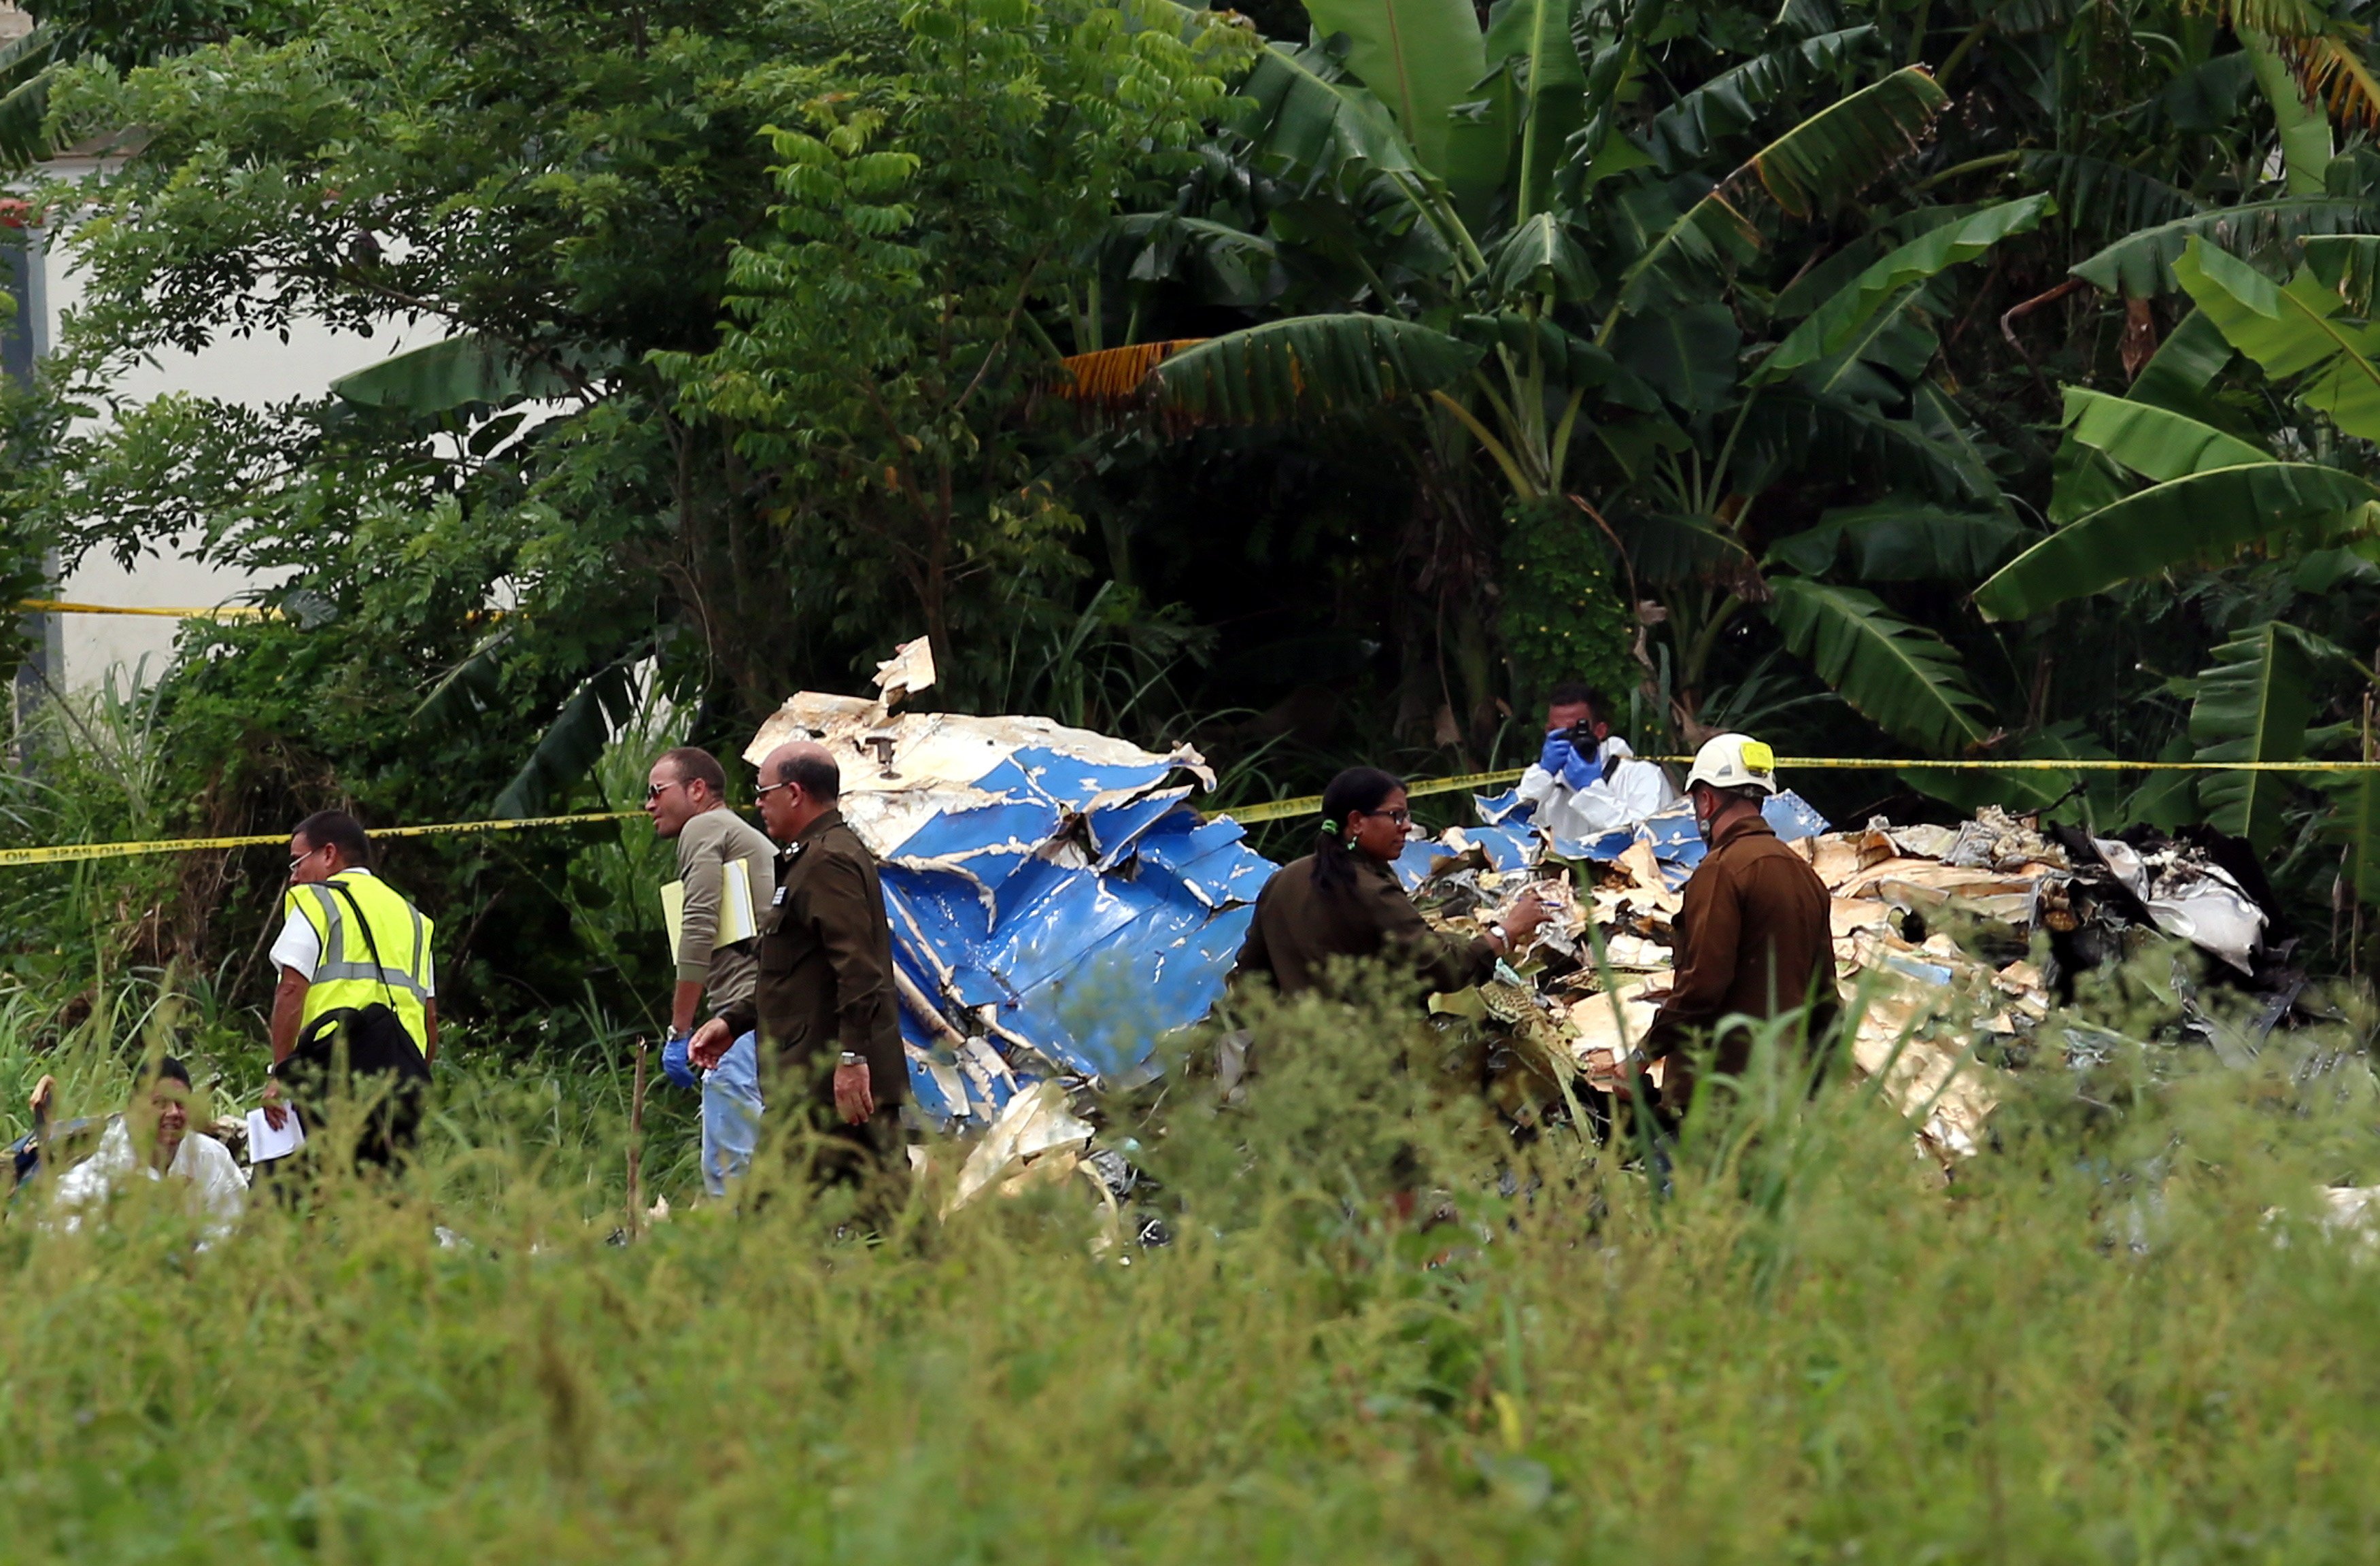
{"x": 685, "y": 797}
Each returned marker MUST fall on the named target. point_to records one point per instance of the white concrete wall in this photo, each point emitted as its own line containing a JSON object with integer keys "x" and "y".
{"x": 251, "y": 372}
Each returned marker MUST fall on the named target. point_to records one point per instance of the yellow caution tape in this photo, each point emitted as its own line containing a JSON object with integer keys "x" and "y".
{"x": 1872, "y": 765}
{"x": 70, "y": 852}
{"x": 220, "y": 611}
{"x": 1277, "y": 809}
{"x": 1268, "y": 811}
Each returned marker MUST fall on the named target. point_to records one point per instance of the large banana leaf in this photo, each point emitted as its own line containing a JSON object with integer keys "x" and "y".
{"x": 1540, "y": 258}
{"x": 1830, "y": 329}
{"x": 1900, "y": 677}
{"x": 2304, "y": 130}
{"x": 2101, "y": 198}
{"x": 2178, "y": 374}
{"x": 2300, "y": 332}
{"x": 1833, "y": 154}
{"x": 573, "y": 742}
{"x": 1568, "y": 361}
{"x": 2112, "y": 442}
{"x": 1734, "y": 100}
{"x": 1885, "y": 355}
{"x": 2355, "y": 824}
{"x": 1313, "y": 364}
{"x": 1669, "y": 546}
{"x": 1688, "y": 355}
{"x": 25, "y": 97}
{"x": 1792, "y": 428}
{"x": 469, "y": 687}
{"x": 1420, "y": 57}
{"x": 444, "y": 376}
{"x": 2348, "y": 264}
{"x": 1903, "y": 541}
{"x": 2171, "y": 524}
{"x": 1847, "y": 146}
{"x": 2155, "y": 443}
{"x": 1536, "y": 88}
{"x": 2253, "y": 705}
{"x": 2139, "y": 265}
{"x": 1308, "y": 125}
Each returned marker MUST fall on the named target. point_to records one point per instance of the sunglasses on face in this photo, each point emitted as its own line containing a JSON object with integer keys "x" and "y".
{"x": 766, "y": 790}
{"x": 654, "y": 790}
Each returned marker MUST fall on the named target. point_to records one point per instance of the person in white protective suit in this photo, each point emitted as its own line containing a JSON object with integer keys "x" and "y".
{"x": 157, "y": 1123}
{"x": 1586, "y": 781}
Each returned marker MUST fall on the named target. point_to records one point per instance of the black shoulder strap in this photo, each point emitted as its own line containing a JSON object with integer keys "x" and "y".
{"x": 370, "y": 944}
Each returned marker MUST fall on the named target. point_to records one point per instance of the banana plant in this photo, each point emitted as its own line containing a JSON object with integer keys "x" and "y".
{"x": 1545, "y": 280}
{"x": 2207, "y": 493}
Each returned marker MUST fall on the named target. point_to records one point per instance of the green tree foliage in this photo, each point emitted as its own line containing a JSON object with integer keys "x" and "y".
{"x": 1965, "y": 379}
{"x": 886, "y": 332}
{"x": 1565, "y": 617}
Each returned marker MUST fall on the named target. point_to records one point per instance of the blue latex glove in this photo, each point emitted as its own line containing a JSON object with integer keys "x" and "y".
{"x": 677, "y": 1065}
{"x": 1585, "y": 770}
{"x": 1557, "y": 754}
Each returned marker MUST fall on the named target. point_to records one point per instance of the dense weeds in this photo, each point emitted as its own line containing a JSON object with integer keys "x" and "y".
{"x": 2130, "y": 1336}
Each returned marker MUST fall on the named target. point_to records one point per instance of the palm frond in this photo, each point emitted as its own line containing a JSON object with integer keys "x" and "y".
{"x": 2253, "y": 704}
{"x": 1111, "y": 379}
{"x": 2200, "y": 516}
{"x": 2139, "y": 265}
{"x": 2100, "y": 196}
{"x": 1311, "y": 365}
{"x": 1900, "y": 677}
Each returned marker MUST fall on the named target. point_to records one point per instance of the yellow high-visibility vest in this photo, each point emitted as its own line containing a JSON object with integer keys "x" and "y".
{"x": 345, "y": 975}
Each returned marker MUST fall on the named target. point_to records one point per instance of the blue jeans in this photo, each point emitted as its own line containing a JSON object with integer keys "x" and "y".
{"x": 731, "y": 1114}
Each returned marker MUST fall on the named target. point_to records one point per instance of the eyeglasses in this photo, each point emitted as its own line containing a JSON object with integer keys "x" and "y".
{"x": 654, "y": 790}
{"x": 763, "y": 792}
{"x": 303, "y": 858}
{"x": 1400, "y": 817}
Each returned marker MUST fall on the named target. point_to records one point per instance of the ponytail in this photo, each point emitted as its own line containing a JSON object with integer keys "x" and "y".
{"x": 1358, "y": 788}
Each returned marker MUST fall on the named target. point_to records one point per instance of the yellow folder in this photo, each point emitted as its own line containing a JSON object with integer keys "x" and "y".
{"x": 737, "y": 921}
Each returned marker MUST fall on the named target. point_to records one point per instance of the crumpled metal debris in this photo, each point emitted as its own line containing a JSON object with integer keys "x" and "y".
{"x": 1935, "y": 933}
{"x": 1056, "y": 902}
{"x": 1037, "y": 1136}
{"x": 2191, "y": 898}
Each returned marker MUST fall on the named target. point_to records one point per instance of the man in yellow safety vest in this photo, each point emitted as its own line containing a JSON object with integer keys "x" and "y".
{"x": 349, "y": 940}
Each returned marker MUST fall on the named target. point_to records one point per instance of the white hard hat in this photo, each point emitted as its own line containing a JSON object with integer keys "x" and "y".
{"x": 1734, "y": 761}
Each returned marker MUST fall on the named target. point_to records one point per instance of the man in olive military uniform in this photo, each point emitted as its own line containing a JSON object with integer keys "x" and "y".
{"x": 824, "y": 1006}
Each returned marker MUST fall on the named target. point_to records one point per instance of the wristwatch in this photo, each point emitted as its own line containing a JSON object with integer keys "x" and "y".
{"x": 1498, "y": 931}
{"x": 852, "y": 1057}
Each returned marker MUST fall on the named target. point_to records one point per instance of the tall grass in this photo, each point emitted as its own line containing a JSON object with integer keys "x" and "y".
{"x": 2120, "y": 1335}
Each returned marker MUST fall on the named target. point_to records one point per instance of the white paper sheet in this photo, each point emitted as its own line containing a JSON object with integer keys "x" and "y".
{"x": 264, "y": 1144}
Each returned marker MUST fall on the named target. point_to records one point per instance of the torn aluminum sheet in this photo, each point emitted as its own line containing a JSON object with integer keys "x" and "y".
{"x": 1034, "y": 1124}
{"x": 1056, "y": 903}
{"x": 2190, "y": 898}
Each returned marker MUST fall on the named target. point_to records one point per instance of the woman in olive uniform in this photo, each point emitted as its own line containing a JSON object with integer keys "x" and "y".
{"x": 1343, "y": 901}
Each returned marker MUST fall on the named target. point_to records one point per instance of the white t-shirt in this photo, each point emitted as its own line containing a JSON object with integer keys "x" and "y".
{"x": 299, "y": 949}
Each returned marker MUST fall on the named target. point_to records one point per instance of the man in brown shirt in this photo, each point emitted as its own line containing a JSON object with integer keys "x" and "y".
{"x": 1754, "y": 937}
{"x": 824, "y": 1006}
